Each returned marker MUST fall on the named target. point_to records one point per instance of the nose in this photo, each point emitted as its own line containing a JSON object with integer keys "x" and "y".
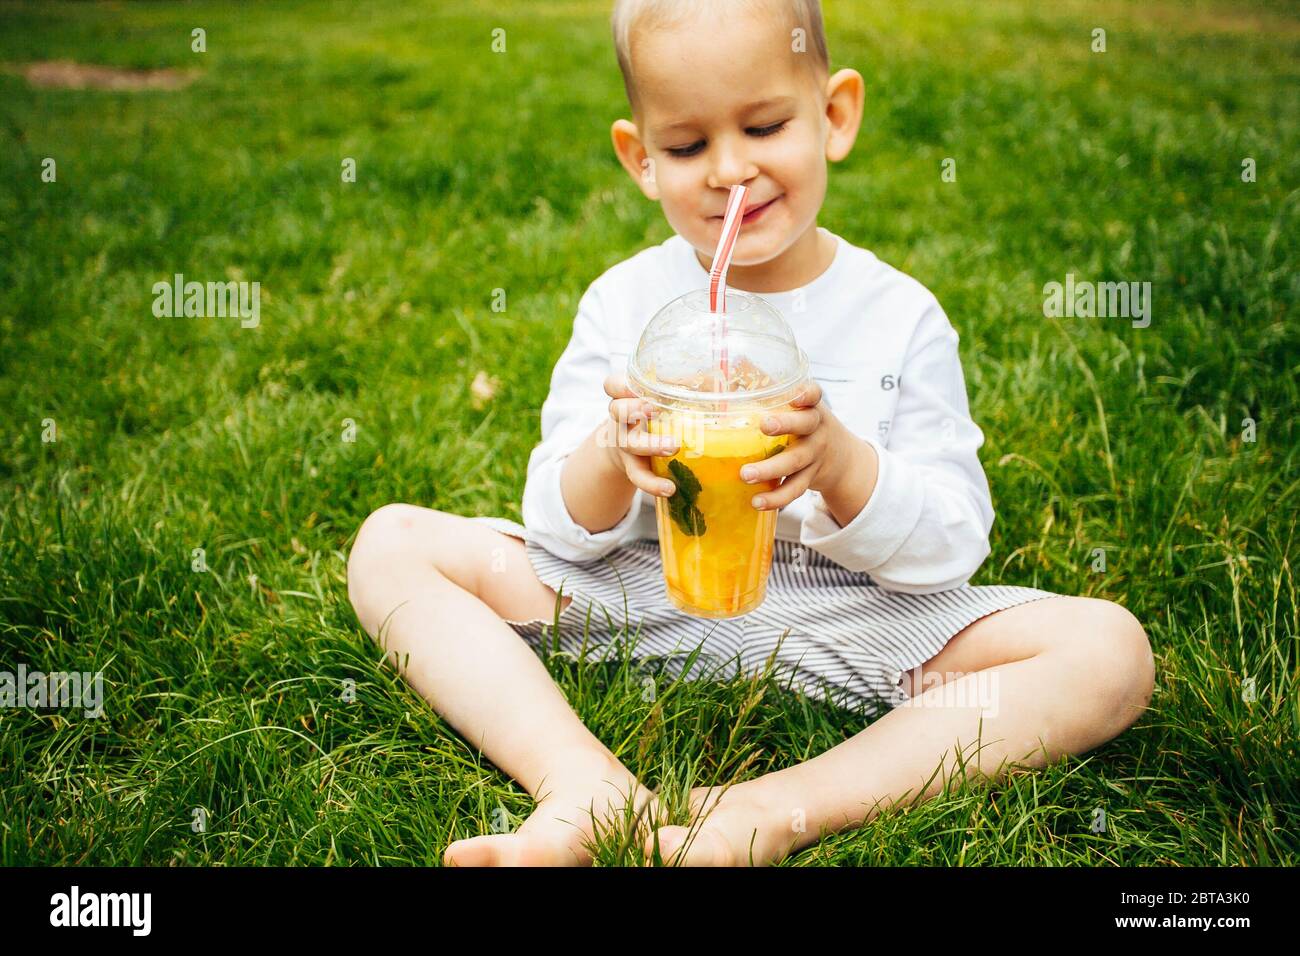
{"x": 731, "y": 164}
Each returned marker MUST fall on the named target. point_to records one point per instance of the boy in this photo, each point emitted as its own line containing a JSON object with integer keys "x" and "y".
{"x": 726, "y": 93}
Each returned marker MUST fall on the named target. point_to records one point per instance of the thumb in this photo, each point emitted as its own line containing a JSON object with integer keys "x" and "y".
{"x": 616, "y": 386}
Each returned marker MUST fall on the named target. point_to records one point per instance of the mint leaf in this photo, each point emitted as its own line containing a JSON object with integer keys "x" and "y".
{"x": 687, "y": 517}
{"x": 681, "y": 506}
{"x": 688, "y": 486}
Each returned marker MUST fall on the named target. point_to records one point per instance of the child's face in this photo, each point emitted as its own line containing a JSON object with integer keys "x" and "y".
{"x": 724, "y": 103}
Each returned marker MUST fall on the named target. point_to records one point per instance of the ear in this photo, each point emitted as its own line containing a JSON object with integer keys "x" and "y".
{"x": 845, "y": 92}
{"x": 632, "y": 155}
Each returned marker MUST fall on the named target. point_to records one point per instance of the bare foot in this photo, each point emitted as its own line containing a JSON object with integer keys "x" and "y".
{"x": 727, "y": 829}
{"x": 557, "y": 830}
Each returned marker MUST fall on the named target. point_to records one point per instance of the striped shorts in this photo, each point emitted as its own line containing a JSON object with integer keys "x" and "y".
{"x": 838, "y": 636}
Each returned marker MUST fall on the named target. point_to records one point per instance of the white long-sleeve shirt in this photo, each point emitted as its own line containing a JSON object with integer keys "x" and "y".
{"x": 885, "y": 355}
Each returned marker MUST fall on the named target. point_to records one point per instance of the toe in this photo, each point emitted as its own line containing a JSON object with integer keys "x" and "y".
{"x": 477, "y": 851}
{"x": 705, "y": 848}
{"x": 665, "y": 840}
{"x": 510, "y": 849}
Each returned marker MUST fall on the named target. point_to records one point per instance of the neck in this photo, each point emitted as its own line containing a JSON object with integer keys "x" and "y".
{"x": 805, "y": 260}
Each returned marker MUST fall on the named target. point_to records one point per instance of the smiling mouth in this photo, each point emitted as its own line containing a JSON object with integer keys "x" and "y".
{"x": 750, "y": 210}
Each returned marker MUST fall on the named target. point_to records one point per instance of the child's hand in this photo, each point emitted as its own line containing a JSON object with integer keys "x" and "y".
{"x": 629, "y": 448}
{"x": 813, "y": 457}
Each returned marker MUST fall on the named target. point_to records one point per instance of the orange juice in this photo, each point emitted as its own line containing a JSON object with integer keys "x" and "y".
{"x": 716, "y": 547}
{"x": 712, "y": 376}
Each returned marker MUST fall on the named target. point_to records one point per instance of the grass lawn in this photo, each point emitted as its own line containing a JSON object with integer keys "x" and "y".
{"x": 477, "y": 171}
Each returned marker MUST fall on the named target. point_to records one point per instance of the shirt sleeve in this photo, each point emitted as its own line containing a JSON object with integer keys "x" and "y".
{"x": 575, "y": 405}
{"x": 926, "y": 525}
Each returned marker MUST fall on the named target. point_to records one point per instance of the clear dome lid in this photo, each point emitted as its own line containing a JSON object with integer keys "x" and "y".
{"x": 679, "y": 357}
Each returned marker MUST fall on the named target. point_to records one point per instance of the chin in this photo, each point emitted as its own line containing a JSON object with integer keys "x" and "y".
{"x": 748, "y": 262}
{"x": 754, "y": 247}
{"x": 758, "y": 251}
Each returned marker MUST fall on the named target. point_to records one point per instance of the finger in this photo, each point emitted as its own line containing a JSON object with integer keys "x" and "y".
{"x": 641, "y": 475}
{"x": 641, "y": 442}
{"x": 616, "y": 386}
{"x": 801, "y": 422}
{"x": 629, "y": 411}
{"x": 632, "y": 434}
{"x": 790, "y": 489}
{"x": 793, "y": 459}
{"x": 810, "y": 396}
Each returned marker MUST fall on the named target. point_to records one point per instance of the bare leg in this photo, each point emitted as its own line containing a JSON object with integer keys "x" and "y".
{"x": 1050, "y": 678}
{"x": 435, "y": 590}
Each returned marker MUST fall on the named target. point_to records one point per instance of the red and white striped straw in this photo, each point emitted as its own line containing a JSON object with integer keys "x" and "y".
{"x": 731, "y": 223}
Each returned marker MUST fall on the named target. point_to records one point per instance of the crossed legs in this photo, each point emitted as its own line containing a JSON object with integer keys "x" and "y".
{"x": 1030, "y": 684}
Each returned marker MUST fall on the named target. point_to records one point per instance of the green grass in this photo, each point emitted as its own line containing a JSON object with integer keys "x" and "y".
{"x": 479, "y": 171}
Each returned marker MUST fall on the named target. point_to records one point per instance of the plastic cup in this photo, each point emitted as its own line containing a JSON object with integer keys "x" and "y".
{"x": 715, "y": 546}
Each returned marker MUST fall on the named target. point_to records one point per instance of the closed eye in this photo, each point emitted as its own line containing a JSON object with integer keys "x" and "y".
{"x": 684, "y": 152}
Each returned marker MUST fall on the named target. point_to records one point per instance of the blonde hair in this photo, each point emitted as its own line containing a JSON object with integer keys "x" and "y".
{"x": 630, "y": 15}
